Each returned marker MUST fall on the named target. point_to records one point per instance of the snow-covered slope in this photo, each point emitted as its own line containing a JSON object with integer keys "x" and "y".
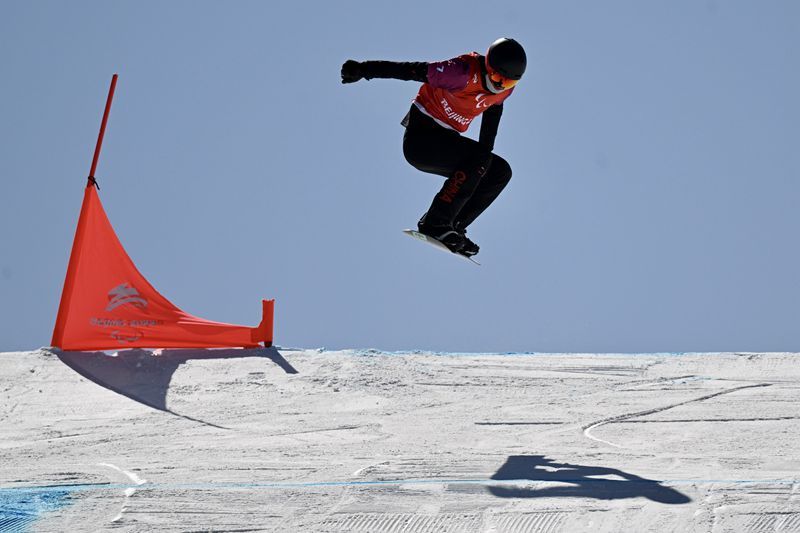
{"x": 295, "y": 440}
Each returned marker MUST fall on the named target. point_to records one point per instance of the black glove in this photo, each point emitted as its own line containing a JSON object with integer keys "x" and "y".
{"x": 351, "y": 71}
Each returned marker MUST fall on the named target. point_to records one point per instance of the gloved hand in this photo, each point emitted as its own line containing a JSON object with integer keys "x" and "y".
{"x": 351, "y": 71}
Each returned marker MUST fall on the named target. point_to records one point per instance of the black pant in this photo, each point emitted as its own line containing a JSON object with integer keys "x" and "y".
{"x": 475, "y": 176}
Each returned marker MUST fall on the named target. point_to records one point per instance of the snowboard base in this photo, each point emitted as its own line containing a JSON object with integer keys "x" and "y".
{"x": 436, "y": 244}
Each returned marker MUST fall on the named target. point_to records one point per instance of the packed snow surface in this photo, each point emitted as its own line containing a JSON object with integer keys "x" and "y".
{"x": 311, "y": 440}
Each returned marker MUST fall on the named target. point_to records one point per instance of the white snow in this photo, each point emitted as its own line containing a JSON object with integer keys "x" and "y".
{"x": 311, "y": 440}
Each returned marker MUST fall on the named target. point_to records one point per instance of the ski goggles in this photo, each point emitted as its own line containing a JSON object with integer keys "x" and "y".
{"x": 500, "y": 82}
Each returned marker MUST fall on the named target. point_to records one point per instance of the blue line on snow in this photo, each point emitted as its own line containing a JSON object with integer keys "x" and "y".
{"x": 65, "y": 490}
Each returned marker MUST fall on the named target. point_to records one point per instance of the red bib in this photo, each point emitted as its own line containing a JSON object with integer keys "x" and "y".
{"x": 455, "y": 94}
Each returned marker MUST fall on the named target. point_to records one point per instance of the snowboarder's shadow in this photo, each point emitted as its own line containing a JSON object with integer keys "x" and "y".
{"x": 144, "y": 375}
{"x": 577, "y": 481}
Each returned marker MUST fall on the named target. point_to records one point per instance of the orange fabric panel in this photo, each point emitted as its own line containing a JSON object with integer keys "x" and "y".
{"x": 107, "y": 304}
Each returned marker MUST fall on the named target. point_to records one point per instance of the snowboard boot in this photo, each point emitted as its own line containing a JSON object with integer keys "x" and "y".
{"x": 470, "y": 248}
{"x": 445, "y": 234}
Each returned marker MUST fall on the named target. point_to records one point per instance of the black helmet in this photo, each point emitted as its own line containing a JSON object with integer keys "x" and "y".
{"x": 507, "y": 58}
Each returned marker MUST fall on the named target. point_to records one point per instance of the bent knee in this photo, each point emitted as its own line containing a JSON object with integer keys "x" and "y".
{"x": 409, "y": 152}
{"x": 501, "y": 168}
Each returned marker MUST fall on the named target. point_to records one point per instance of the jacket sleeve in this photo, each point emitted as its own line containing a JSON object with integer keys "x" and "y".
{"x": 490, "y": 120}
{"x": 408, "y": 70}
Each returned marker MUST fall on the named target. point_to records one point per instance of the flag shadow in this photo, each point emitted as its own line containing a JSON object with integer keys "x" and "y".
{"x": 578, "y": 481}
{"x": 145, "y": 375}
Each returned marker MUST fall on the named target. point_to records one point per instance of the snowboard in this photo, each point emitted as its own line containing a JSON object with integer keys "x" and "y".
{"x": 437, "y": 244}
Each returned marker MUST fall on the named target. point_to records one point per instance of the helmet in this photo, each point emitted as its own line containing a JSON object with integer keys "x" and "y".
{"x": 505, "y": 62}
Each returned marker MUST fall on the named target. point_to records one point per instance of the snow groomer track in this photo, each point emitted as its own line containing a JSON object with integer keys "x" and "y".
{"x": 309, "y": 440}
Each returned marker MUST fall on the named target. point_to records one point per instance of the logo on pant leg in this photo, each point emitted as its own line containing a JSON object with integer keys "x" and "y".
{"x": 452, "y": 187}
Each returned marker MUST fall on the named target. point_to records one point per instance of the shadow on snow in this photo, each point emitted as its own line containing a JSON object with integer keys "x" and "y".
{"x": 578, "y": 481}
{"x": 144, "y": 375}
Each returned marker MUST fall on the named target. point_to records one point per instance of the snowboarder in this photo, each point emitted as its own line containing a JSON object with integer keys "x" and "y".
{"x": 453, "y": 93}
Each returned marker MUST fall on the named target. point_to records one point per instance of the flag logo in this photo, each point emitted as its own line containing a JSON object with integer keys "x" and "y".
{"x": 125, "y": 294}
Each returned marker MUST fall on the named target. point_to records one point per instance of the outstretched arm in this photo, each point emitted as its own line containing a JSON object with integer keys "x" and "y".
{"x": 353, "y": 71}
{"x": 451, "y": 74}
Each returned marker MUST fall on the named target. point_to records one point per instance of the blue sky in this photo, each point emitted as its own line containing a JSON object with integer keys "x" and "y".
{"x": 655, "y": 150}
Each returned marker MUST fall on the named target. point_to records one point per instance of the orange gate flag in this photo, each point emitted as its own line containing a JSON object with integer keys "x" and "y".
{"x": 107, "y": 304}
